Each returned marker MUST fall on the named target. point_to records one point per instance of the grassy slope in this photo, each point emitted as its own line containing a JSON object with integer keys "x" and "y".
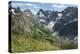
{"x": 25, "y": 43}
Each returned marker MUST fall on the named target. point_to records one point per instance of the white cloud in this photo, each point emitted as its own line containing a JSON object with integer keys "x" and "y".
{"x": 33, "y": 5}
{"x": 17, "y": 4}
{"x": 22, "y": 4}
{"x": 29, "y": 4}
{"x": 36, "y": 7}
{"x": 58, "y": 5}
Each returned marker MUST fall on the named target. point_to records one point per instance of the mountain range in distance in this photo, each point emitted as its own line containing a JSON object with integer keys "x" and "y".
{"x": 64, "y": 22}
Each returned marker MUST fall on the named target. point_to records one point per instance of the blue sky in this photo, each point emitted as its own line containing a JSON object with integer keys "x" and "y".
{"x": 35, "y": 6}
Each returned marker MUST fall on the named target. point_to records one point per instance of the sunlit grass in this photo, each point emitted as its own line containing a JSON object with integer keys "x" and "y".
{"x": 25, "y": 43}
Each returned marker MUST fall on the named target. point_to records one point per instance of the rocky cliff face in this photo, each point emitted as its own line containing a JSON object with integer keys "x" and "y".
{"x": 64, "y": 22}
{"x": 21, "y": 22}
{"x": 68, "y": 23}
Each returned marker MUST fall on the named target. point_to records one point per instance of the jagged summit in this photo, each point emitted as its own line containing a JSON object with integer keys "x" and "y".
{"x": 61, "y": 22}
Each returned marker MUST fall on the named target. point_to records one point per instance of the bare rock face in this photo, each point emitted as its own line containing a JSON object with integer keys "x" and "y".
{"x": 67, "y": 26}
{"x": 21, "y": 22}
